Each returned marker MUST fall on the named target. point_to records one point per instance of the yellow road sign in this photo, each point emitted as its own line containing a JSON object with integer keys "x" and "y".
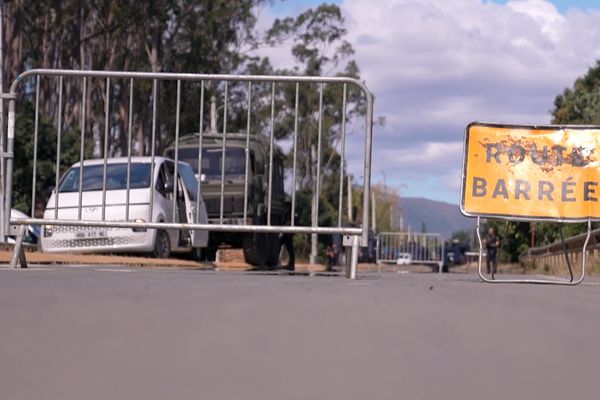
{"x": 527, "y": 172}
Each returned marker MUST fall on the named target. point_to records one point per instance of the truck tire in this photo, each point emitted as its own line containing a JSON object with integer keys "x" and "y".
{"x": 274, "y": 250}
{"x": 204, "y": 254}
{"x": 256, "y": 249}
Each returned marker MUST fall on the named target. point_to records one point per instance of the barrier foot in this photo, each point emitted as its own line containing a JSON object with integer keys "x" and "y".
{"x": 18, "y": 255}
{"x": 354, "y": 258}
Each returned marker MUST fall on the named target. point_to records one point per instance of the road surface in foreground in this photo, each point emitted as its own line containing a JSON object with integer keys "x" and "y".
{"x": 138, "y": 333}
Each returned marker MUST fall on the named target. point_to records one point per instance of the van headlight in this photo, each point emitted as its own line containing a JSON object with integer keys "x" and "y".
{"x": 47, "y": 230}
{"x": 139, "y": 221}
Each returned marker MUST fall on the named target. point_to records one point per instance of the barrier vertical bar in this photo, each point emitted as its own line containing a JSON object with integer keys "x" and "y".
{"x": 200, "y": 138}
{"x": 316, "y": 183}
{"x": 247, "y": 153}
{"x": 4, "y": 222}
{"x": 174, "y": 211}
{"x": 271, "y": 144}
{"x": 295, "y": 158}
{"x": 129, "y": 140}
{"x": 58, "y": 140}
{"x": 7, "y": 179}
{"x": 367, "y": 170}
{"x": 223, "y": 154}
{"x": 319, "y": 150}
{"x": 342, "y": 156}
{"x": 105, "y": 151}
{"x": 82, "y": 146}
{"x": 36, "y": 132}
{"x": 153, "y": 147}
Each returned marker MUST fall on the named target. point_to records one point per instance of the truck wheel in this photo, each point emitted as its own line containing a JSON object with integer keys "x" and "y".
{"x": 162, "y": 245}
{"x": 256, "y": 249}
{"x": 274, "y": 250}
{"x": 204, "y": 254}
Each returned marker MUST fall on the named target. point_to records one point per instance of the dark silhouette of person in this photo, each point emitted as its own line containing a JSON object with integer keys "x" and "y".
{"x": 492, "y": 243}
{"x": 330, "y": 256}
{"x": 287, "y": 239}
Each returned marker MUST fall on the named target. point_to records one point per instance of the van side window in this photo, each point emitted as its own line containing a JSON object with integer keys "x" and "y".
{"x": 160, "y": 181}
{"x": 163, "y": 177}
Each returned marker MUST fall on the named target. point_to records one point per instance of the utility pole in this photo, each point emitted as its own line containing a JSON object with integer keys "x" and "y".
{"x": 350, "y": 199}
{"x": 374, "y": 211}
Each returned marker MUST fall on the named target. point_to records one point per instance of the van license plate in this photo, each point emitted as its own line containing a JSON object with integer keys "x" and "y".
{"x": 90, "y": 235}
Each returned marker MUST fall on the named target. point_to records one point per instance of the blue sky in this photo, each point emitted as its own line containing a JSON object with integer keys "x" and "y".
{"x": 434, "y": 66}
{"x": 289, "y": 7}
{"x": 564, "y": 5}
{"x": 292, "y": 6}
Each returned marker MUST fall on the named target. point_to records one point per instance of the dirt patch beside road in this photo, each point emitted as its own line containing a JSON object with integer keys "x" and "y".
{"x": 228, "y": 260}
{"x": 79, "y": 259}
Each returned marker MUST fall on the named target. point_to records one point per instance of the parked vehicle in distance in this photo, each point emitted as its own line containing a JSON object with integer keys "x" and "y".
{"x": 32, "y": 236}
{"x": 260, "y": 249}
{"x": 454, "y": 252}
{"x": 404, "y": 259}
{"x": 144, "y": 190}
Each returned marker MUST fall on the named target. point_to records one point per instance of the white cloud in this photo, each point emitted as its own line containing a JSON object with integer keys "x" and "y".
{"x": 436, "y": 65}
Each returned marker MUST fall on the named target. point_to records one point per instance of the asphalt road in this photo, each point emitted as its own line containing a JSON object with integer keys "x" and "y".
{"x": 138, "y": 333}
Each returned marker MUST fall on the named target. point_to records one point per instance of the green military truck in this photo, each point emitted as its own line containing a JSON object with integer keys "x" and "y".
{"x": 260, "y": 249}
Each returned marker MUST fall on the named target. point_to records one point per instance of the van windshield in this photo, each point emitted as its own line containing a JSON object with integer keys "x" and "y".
{"x": 235, "y": 161}
{"x": 116, "y": 177}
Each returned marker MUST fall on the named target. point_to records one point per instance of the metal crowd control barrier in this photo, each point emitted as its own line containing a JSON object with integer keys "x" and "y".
{"x": 125, "y": 82}
{"x": 423, "y": 248}
{"x": 531, "y": 173}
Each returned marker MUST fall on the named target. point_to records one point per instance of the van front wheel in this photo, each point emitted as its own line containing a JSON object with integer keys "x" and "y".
{"x": 162, "y": 245}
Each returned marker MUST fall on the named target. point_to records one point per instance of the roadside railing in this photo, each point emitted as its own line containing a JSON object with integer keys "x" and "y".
{"x": 410, "y": 247}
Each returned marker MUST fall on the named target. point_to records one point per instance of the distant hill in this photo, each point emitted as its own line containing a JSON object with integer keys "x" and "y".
{"x": 438, "y": 216}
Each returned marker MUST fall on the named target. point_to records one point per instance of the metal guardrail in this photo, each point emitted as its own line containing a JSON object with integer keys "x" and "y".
{"x": 29, "y": 82}
{"x": 555, "y": 254}
{"x": 423, "y": 248}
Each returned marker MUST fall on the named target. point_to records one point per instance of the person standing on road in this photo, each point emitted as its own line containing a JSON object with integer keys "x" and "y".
{"x": 492, "y": 243}
{"x": 287, "y": 239}
{"x": 330, "y": 257}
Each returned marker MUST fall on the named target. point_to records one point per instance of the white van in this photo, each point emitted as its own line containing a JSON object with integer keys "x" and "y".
{"x": 143, "y": 190}
{"x": 404, "y": 259}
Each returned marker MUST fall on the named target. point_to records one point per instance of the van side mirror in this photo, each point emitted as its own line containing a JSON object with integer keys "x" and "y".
{"x": 169, "y": 185}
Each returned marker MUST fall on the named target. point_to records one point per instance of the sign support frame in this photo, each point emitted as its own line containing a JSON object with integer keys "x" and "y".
{"x": 563, "y": 282}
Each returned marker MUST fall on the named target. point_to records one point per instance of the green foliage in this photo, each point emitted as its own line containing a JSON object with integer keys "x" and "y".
{"x": 581, "y": 103}
{"x": 514, "y": 237}
{"x": 46, "y": 158}
{"x": 311, "y": 32}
